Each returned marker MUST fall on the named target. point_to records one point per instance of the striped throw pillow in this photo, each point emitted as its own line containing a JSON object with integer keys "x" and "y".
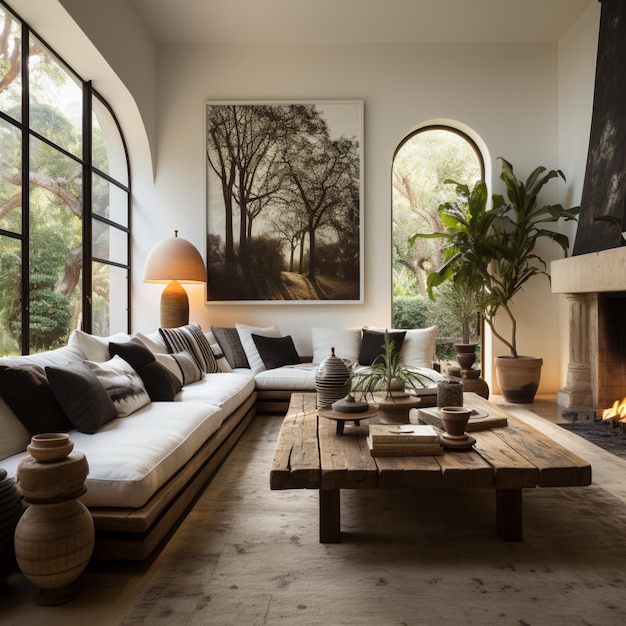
{"x": 190, "y": 338}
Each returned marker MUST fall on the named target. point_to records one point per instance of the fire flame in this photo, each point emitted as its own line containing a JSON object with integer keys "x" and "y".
{"x": 616, "y": 413}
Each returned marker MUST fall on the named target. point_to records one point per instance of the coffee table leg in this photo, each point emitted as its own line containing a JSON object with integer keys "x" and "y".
{"x": 509, "y": 514}
{"x": 330, "y": 516}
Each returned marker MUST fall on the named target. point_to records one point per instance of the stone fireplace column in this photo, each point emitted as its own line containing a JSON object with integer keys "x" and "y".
{"x": 579, "y": 390}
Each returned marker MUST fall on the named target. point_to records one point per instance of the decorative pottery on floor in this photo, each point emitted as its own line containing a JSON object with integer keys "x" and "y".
{"x": 10, "y": 513}
{"x": 518, "y": 378}
{"x": 332, "y": 381}
{"x": 54, "y": 539}
{"x": 449, "y": 393}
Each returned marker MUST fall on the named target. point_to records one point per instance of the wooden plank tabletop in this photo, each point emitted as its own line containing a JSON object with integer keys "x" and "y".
{"x": 309, "y": 454}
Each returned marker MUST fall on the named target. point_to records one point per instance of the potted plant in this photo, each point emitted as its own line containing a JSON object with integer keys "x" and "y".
{"x": 493, "y": 251}
{"x": 389, "y": 379}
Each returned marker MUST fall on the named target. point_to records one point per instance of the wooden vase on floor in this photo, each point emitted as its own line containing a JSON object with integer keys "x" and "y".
{"x": 54, "y": 539}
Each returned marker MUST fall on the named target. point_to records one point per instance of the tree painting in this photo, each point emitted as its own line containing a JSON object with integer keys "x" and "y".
{"x": 284, "y": 202}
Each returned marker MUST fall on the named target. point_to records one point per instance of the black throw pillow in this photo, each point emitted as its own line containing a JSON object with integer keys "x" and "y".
{"x": 27, "y": 391}
{"x": 82, "y": 396}
{"x": 160, "y": 383}
{"x": 373, "y": 344}
{"x": 276, "y": 351}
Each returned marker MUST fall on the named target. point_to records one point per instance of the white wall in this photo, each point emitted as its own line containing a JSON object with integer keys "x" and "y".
{"x": 577, "y": 67}
{"x": 506, "y": 94}
{"x": 512, "y": 96}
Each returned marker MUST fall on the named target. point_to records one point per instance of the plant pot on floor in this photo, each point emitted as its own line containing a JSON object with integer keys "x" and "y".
{"x": 518, "y": 378}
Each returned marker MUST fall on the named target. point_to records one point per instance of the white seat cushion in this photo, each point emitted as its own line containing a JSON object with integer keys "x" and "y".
{"x": 228, "y": 390}
{"x": 299, "y": 377}
{"x": 130, "y": 458}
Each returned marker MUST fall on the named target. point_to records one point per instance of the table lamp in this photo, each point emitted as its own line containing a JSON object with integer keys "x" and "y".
{"x": 174, "y": 261}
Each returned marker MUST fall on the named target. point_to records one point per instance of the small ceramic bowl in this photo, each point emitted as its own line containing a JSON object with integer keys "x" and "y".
{"x": 50, "y": 447}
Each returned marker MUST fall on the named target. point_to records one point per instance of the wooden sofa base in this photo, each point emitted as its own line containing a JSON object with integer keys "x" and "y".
{"x": 133, "y": 534}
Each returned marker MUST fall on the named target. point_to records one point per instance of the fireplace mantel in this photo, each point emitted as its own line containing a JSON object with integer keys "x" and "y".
{"x": 595, "y": 272}
{"x": 591, "y": 283}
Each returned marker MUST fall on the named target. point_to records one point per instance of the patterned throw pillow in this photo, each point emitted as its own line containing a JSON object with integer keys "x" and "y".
{"x": 122, "y": 383}
{"x": 189, "y": 368}
{"x": 160, "y": 383}
{"x": 191, "y": 339}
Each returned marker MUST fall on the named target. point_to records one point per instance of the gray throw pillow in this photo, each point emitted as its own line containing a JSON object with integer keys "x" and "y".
{"x": 188, "y": 367}
{"x": 81, "y": 395}
{"x": 231, "y": 346}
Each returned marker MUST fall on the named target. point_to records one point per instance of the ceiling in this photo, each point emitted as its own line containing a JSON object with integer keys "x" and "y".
{"x": 359, "y": 21}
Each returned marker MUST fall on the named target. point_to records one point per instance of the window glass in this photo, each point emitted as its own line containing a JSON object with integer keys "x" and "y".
{"x": 10, "y": 296}
{"x": 108, "y": 153}
{"x": 109, "y": 201}
{"x": 423, "y": 163}
{"x": 56, "y": 109}
{"x": 110, "y": 299}
{"x": 109, "y": 243}
{"x": 10, "y": 65}
{"x": 10, "y": 178}
{"x": 56, "y": 253}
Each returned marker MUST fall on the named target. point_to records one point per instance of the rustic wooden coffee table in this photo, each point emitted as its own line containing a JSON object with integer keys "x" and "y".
{"x": 310, "y": 455}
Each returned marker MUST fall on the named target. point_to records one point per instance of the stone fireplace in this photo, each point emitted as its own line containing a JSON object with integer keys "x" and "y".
{"x": 594, "y": 279}
{"x": 595, "y": 287}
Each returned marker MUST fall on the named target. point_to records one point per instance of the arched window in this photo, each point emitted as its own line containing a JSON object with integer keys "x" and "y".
{"x": 64, "y": 200}
{"x": 422, "y": 164}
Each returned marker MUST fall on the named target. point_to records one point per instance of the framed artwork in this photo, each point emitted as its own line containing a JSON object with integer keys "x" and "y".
{"x": 284, "y": 202}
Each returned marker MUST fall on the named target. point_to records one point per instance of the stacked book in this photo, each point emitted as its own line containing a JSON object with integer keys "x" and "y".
{"x": 403, "y": 440}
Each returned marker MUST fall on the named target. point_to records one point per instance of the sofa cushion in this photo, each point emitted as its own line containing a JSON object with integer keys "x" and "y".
{"x": 92, "y": 347}
{"x": 83, "y": 397}
{"x": 418, "y": 348}
{"x": 252, "y": 354}
{"x": 154, "y": 342}
{"x": 230, "y": 342}
{"x": 276, "y": 351}
{"x": 346, "y": 341}
{"x": 225, "y": 390}
{"x": 158, "y": 380}
{"x": 25, "y": 388}
{"x": 122, "y": 383}
{"x": 373, "y": 344}
{"x": 191, "y": 338}
{"x": 222, "y": 363}
{"x": 13, "y": 434}
{"x": 188, "y": 366}
{"x": 299, "y": 377}
{"x": 131, "y": 458}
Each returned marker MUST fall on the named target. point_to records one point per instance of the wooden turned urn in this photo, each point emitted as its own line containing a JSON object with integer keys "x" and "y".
{"x": 54, "y": 538}
{"x": 332, "y": 381}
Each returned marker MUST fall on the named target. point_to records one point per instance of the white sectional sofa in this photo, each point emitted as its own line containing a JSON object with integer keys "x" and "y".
{"x": 150, "y": 456}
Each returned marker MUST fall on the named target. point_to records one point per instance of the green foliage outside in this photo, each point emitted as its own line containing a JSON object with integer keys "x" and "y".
{"x": 420, "y": 169}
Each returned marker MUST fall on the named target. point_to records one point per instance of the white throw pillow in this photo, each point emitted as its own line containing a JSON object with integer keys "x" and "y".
{"x": 95, "y": 348}
{"x": 418, "y": 349}
{"x": 249, "y": 347}
{"x": 154, "y": 342}
{"x": 346, "y": 341}
{"x": 122, "y": 383}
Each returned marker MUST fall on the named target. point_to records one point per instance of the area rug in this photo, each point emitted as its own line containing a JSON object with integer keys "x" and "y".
{"x": 608, "y": 436}
{"x": 250, "y": 556}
